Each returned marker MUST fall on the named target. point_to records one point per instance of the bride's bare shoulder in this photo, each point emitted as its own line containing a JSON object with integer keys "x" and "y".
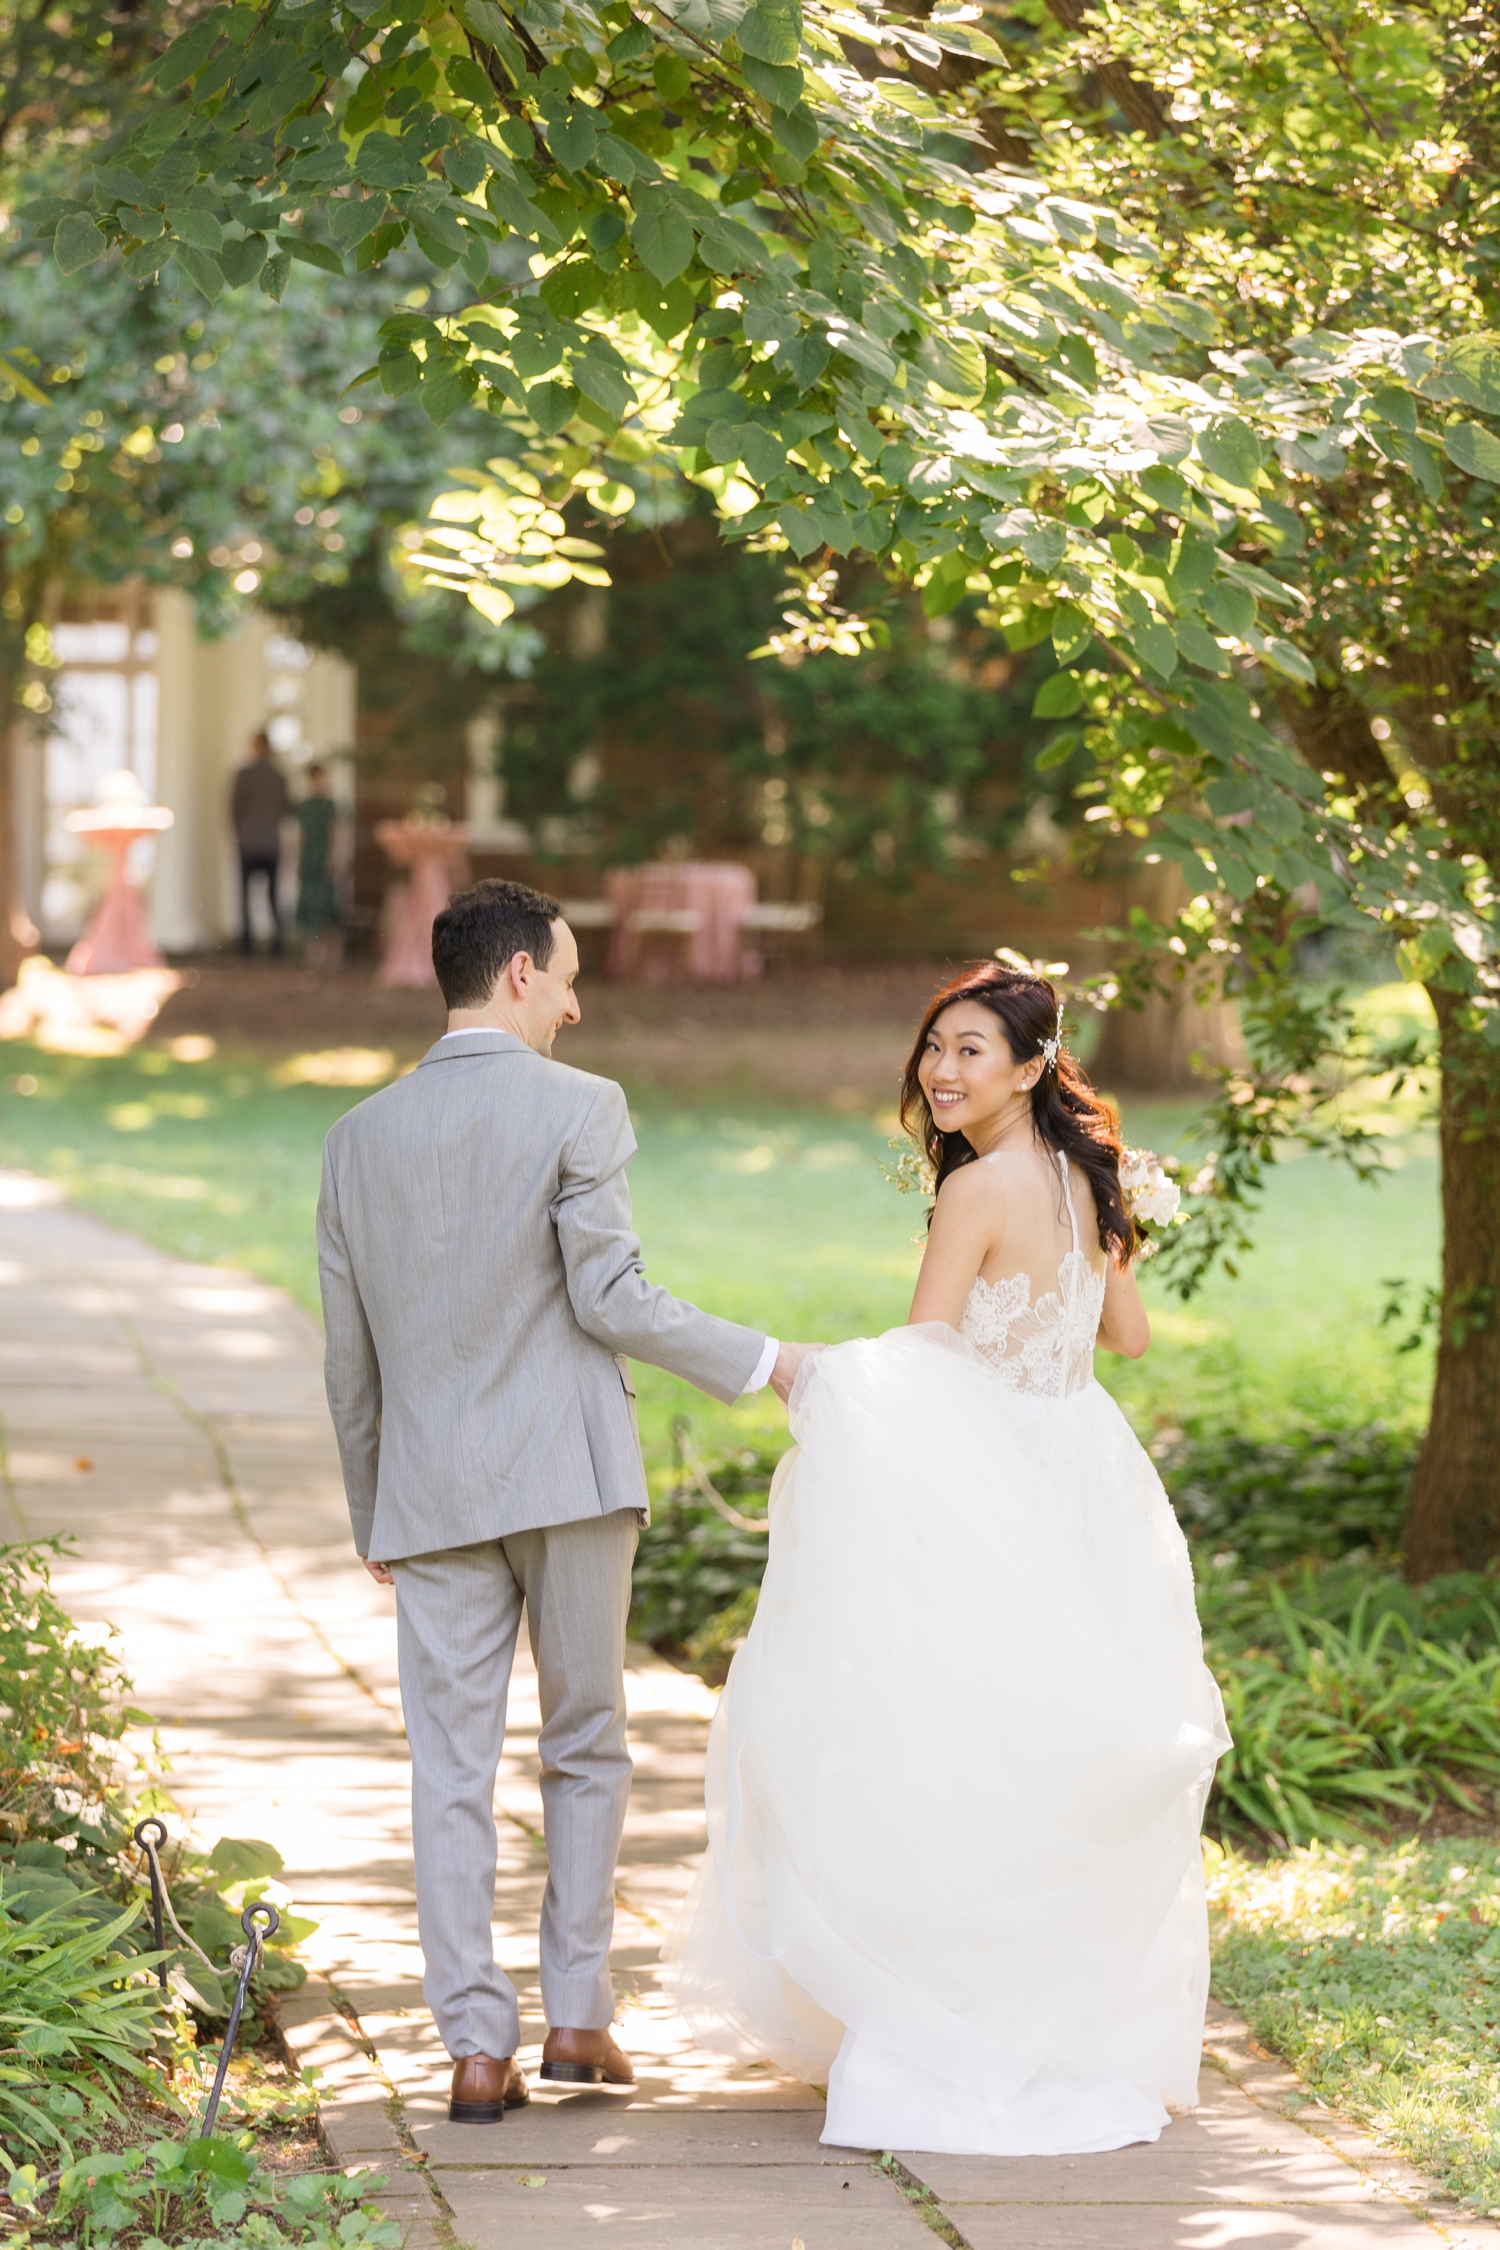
{"x": 973, "y": 1188}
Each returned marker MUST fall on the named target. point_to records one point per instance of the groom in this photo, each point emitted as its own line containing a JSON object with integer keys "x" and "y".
{"x": 482, "y": 1288}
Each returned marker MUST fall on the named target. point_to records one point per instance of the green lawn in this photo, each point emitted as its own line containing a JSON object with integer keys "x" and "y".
{"x": 780, "y": 1218}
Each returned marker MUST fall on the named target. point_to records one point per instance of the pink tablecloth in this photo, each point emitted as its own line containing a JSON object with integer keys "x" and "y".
{"x": 717, "y": 891}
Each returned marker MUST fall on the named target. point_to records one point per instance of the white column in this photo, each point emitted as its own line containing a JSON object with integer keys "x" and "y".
{"x": 181, "y": 921}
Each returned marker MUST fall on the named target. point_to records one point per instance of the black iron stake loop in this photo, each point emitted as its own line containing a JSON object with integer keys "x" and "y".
{"x": 246, "y": 1958}
{"x": 151, "y": 1845}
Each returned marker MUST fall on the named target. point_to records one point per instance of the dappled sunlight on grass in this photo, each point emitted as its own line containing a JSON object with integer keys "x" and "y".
{"x": 1376, "y": 1971}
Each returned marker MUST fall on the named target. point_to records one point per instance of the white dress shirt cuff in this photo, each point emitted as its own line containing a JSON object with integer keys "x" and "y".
{"x": 763, "y": 1367}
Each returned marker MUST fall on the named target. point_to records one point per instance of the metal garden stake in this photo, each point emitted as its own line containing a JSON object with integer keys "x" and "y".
{"x": 151, "y": 1845}
{"x": 245, "y": 1958}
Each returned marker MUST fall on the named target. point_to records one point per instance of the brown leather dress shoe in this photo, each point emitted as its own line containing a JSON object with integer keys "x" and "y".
{"x": 586, "y": 2058}
{"x": 484, "y": 2088}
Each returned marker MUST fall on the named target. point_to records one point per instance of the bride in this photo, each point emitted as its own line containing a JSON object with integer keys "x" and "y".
{"x": 957, "y": 1775}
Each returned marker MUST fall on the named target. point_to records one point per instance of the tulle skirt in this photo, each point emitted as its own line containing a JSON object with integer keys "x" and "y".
{"x": 957, "y": 1775}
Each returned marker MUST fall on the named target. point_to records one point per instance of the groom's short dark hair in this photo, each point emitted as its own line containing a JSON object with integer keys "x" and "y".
{"x": 483, "y": 928}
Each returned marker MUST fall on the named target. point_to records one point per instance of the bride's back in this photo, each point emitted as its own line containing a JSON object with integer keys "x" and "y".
{"x": 1034, "y": 1308}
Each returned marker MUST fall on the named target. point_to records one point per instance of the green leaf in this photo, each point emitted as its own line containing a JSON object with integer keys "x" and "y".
{"x": 1231, "y": 450}
{"x": 1469, "y": 371}
{"x": 1423, "y": 955}
{"x": 1045, "y": 547}
{"x": 550, "y": 405}
{"x": 605, "y": 385}
{"x": 804, "y": 358}
{"x": 187, "y": 55}
{"x": 618, "y": 161}
{"x": 1423, "y": 460}
{"x": 631, "y": 43}
{"x": 1397, "y": 407}
{"x": 1282, "y": 656}
{"x": 1058, "y": 751}
{"x": 1191, "y": 563}
{"x": 1072, "y": 631}
{"x": 351, "y": 218}
{"x": 796, "y": 130}
{"x": 955, "y": 366}
{"x": 1472, "y": 447}
{"x": 779, "y": 87}
{"x": 1198, "y": 645}
{"x": 241, "y": 261}
{"x": 571, "y": 138}
{"x": 1157, "y": 649}
{"x": 509, "y": 204}
{"x": 663, "y": 240}
{"x": 1230, "y": 609}
{"x": 273, "y": 274}
{"x": 200, "y": 269}
{"x": 400, "y": 371}
{"x": 448, "y": 389}
{"x": 242, "y": 1859}
{"x": 200, "y": 228}
{"x": 491, "y": 26}
{"x": 771, "y": 30}
{"x": 311, "y": 253}
{"x": 763, "y": 452}
{"x": 730, "y": 247}
{"x": 1058, "y": 698}
{"x": 119, "y": 184}
{"x": 382, "y": 162}
{"x": 572, "y": 287}
{"x": 78, "y": 243}
{"x": 467, "y": 161}
{"x": 668, "y": 311}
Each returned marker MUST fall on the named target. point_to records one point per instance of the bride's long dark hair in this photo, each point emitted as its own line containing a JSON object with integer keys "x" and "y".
{"x": 1066, "y": 1113}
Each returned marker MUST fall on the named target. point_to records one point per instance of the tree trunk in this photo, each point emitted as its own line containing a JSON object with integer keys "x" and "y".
{"x": 1150, "y": 1049}
{"x": 1453, "y": 1517}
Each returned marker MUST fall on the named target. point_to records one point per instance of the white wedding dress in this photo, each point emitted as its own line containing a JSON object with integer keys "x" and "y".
{"x": 957, "y": 1774}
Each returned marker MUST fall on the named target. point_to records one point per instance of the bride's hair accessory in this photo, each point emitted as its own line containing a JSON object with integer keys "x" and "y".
{"x": 1051, "y": 1047}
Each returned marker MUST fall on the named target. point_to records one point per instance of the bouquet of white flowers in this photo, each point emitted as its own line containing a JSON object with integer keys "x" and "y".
{"x": 1151, "y": 1196}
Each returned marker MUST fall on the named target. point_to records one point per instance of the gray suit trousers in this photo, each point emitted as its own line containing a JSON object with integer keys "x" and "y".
{"x": 458, "y": 1613}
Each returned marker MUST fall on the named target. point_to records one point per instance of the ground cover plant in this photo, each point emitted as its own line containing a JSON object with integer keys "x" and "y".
{"x": 1376, "y": 1971}
{"x": 196, "y": 2192}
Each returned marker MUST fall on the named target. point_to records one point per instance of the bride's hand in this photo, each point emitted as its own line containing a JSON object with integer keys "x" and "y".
{"x": 788, "y": 1366}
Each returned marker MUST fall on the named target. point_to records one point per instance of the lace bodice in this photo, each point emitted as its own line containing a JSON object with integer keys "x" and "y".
{"x": 1046, "y": 1347}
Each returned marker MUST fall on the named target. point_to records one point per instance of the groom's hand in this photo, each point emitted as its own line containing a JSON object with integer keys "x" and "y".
{"x": 788, "y": 1364}
{"x": 381, "y": 1572}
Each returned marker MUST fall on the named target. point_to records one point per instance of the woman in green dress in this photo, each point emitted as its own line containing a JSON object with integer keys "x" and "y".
{"x": 317, "y": 905}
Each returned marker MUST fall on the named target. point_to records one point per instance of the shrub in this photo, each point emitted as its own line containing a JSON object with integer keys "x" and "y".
{"x": 1336, "y": 1728}
{"x": 66, "y": 1704}
{"x": 692, "y": 1563}
{"x": 1270, "y": 1501}
{"x": 78, "y": 2012}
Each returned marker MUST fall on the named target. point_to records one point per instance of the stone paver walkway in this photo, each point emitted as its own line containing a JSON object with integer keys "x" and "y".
{"x": 171, "y": 1416}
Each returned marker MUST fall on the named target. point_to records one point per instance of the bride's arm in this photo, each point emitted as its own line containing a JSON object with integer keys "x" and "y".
{"x": 1123, "y": 1327}
{"x": 968, "y": 1226}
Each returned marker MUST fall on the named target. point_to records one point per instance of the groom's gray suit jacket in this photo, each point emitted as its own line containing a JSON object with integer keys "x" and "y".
{"x": 481, "y": 1283}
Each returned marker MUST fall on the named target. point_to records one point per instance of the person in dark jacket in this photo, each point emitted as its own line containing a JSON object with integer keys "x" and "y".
{"x": 258, "y": 806}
